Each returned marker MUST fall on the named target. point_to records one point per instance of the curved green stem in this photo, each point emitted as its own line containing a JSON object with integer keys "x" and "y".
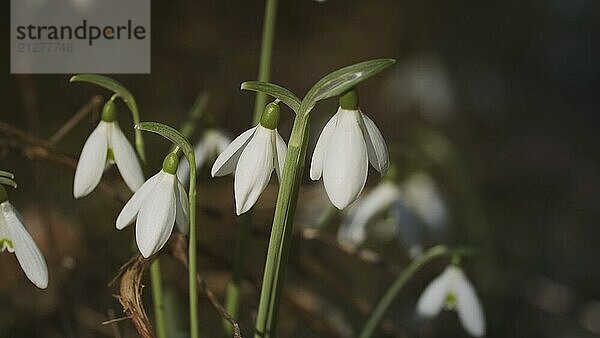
{"x": 182, "y": 143}
{"x": 266, "y": 51}
{"x": 392, "y": 292}
{"x": 232, "y": 297}
{"x": 280, "y": 241}
{"x": 193, "y": 268}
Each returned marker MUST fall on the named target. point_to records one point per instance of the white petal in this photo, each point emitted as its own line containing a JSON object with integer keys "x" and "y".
{"x": 345, "y": 165}
{"x": 432, "y": 300}
{"x": 227, "y": 160}
{"x": 183, "y": 206}
{"x": 5, "y": 238}
{"x": 316, "y": 164}
{"x": 132, "y": 207}
{"x": 29, "y": 256}
{"x": 91, "y": 161}
{"x": 354, "y": 224}
{"x": 376, "y": 147}
{"x": 126, "y": 158}
{"x": 254, "y": 169}
{"x": 281, "y": 152}
{"x": 468, "y": 307}
{"x": 157, "y": 216}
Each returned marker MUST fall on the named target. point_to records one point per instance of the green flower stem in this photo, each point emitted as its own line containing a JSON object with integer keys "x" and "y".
{"x": 158, "y": 299}
{"x": 232, "y": 297}
{"x": 266, "y": 51}
{"x": 392, "y": 292}
{"x": 279, "y": 243}
{"x": 182, "y": 144}
{"x": 193, "y": 268}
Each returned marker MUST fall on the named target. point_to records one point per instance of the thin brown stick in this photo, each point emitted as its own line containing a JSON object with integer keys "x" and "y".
{"x": 91, "y": 106}
{"x": 114, "y": 323}
{"x": 179, "y": 251}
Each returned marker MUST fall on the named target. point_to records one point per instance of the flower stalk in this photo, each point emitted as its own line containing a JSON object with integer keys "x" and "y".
{"x": 232, "y": 297}
{"x": 182, "y": 144}
{"x": 392, "y": 292}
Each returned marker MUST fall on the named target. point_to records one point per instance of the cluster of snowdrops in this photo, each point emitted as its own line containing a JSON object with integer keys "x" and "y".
{"x": 347, "y": 144}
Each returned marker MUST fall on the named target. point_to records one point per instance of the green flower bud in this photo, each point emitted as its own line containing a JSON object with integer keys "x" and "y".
{"x": 109, "y": 112}
{"x": 349, "y": 100}
{"x": 170, "y": 163}
{"x": 270, "y": 116}
{"x": 3, "y": 194}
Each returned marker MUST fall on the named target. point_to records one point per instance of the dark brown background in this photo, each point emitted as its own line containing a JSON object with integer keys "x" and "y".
{"x": 524, "y": 76}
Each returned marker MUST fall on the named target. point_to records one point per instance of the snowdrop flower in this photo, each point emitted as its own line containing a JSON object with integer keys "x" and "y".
{"x": 106, "y": 145}
{"x": 348, "y": 142}
{"x": 424, "y": 198}
{"x": 353, "y": 228}
{"x": 14, "y": 238}
{"x": 252, "y": 156}
{"x": 212, "y": 143}
{"x": 381, "y": 214}
{"x": 160, "y": 203}
{"x": 453, "y": 291}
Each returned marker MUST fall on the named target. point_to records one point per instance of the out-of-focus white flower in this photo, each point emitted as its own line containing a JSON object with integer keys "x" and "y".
{"x": 106, "y": 145}
{"x": 381, "y": 213}
{"x": 422, "y": 82}
{"x": 353, "y": 228}
{"x": 253, "y": 156}
{"x": 453, "y": 291}
{"x": 348, "y": 142}
{"x": 423, "y": 197}
{"x": 160, "y": 203}
{"x": 15, "y": 238}
{"x": 212, "y": 143}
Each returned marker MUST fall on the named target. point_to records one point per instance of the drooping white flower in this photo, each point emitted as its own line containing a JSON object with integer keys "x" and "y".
{"x": 348, "y": 142}
{"x": 253, "y": 156}
{"x": 15, "y": 238}
{"x": 212, "y": 143}
{"x": 106, "y": 145}
{"x": 160, "y": 203}
{"x": 453, "y": 291}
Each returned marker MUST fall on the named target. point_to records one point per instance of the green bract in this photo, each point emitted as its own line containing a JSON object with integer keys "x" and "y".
{"x": 283, "y": 94}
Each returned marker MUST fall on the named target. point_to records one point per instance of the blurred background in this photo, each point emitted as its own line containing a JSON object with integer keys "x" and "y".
{"x": 491, "y": 116}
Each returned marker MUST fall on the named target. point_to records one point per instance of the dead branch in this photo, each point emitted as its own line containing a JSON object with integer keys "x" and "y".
{"x": 129, "y": 279}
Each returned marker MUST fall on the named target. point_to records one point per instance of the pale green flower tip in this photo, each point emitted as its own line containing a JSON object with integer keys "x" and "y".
{"x": 349, "y": 100}
{"x": 6, "y": 244}
{"x": 270, "y": 117}
{"x": 109, "y": 111}
{"x": 170, "y": 163}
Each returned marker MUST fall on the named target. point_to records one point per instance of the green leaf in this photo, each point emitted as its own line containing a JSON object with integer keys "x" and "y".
{"x": 172, "y": 135}
{"x": 7, "y": 174}
{"x": 341, "y": 80}
{"x": 8, "y": 181}
{"x": 276, "y": 91}
{"x": 110, "y": 84}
